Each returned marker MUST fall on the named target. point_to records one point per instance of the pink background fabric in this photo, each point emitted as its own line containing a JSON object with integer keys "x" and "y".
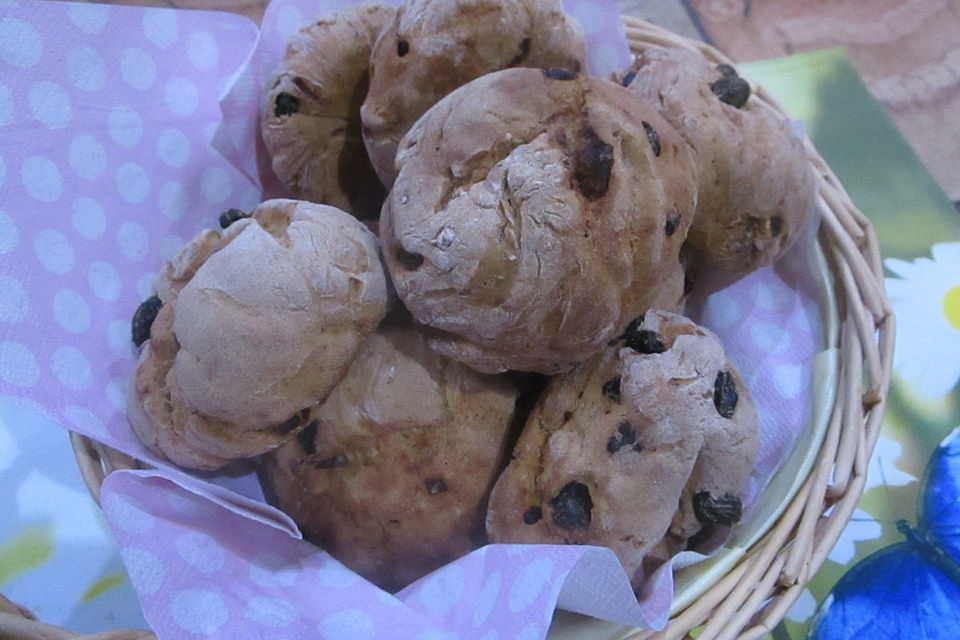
{"x": 127, "y": 130}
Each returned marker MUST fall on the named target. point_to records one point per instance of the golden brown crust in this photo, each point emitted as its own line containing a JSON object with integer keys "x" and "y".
{"x": 393, "y": 478}
{"x": 310, "y": 113}
{"x": 534, "y": 217}
{"x": 263, "y": 329}
{"x": 447, "y": 43}
{"x": 756, "y": 189}
{"x": 616, "y": 444}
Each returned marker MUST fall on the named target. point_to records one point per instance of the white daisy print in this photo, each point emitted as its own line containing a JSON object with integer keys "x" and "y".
{"x": 804, "y": 608}
{"x": 862, "y": 527}
{"x": 926, "y": 301}
{"x": 881, "y": 470}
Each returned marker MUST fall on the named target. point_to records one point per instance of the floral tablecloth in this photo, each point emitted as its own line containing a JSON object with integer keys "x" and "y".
{"x": 57, "y": 557}
{"x": 919, "y": 233}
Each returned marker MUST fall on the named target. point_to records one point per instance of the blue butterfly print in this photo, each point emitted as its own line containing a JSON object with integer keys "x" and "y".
{"x": 909, "y": 590}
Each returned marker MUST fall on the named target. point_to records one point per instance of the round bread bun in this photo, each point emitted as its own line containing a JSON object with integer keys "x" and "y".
{"x": 756, "y": 188}
{"x": 613, "y": 447}
{"x": 535, "y": 214}
{"x": 393, "y": 476}
{"x": 254, "y": 328}
{"x": 310, "y": 112}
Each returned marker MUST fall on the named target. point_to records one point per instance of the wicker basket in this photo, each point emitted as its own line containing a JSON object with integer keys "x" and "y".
{"x": 750, "y": 599}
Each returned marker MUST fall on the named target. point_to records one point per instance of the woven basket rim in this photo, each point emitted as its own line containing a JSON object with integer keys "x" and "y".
{"x": 752, "y": 598}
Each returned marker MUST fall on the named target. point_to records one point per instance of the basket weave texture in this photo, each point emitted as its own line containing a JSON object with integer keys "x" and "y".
{"x": 752, "y": 598}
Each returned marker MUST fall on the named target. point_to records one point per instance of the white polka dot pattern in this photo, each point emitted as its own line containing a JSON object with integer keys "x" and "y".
{"x": 182, "y": 97}
{"x": 271, "y": 612}
{"x": 104, "y": 280}
{"x": 530, "y": 632}
{"x": 116, "y": 391}
{"x": 764, "y": 323}
{"x": 6, "y": 106}
{"x": 89, "y": 218}
{"x": 71, "y": 311}
{"x": 14, "y": 303}
{"x": 133, "y": 183}
{"x": 119, "y": 338}
{"x": 9, "y": 234}
{"x": 86, "y": 69}
{"x": 137, "y": 68}
{"x": 215, "y": 185}
{"x": 41, "y": 178}
{"x": 132, "y": 236}
{"x": 272, "y": 570}
{"x": 18, "y": 367}
{"x": 440, "y": 592}
{"x": 87, "y": 157}
{"x": 530, "y": 583}
{"x": 160, "y": 27}
{"x": 199, "y": 610}
{"x": 334, "y": 575}
{"x": 71, "y": 368}
{"x": 173, "y": 147}
{"x": 128, "y": 516}
{"x": 144, "y": 568}
{"x": 145, "y": 285}
{"x": 200, "y": 551}
{"x": 125, "y": 126}
{"x": 50, "y": 104}
{"x": 54, "y": 252}
{"x": 84, "y": 420}
{"x": 487, "y": 598}
{"x": 20, "y": 44}
{"x": 89, "y": 18}
{"x": 202, "y": 50}
{"x": 351, "y": 624}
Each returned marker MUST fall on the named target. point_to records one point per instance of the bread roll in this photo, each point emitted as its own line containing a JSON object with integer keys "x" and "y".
{"x": 756, "y": 188}
{"x": 535, "y": 214}
{"x": 255, "y": 332}
{"x": 393, "y": 477}
{"x": 661, "y": 419}
{"x": 310, "y": 112}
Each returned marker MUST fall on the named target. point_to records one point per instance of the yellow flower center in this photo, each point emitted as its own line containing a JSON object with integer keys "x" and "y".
{"x": 951, "y": 306}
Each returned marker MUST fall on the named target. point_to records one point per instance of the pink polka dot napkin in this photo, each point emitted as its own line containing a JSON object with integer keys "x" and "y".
{"x": 123, "y": 132}
{"x": 106, "y": 169}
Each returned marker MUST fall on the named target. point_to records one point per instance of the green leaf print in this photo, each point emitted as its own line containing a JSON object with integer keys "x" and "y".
{"x": 27, "y": 550}
{"x": 101, "y": 586}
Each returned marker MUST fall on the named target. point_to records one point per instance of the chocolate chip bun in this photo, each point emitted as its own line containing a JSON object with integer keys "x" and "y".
{"x": 535, "y": 214}
{"x": 614, "y": 446}
{"x": 434, "y": 46}
{"x": 251, "y": 329}
{"x": 393, "y": 476}
{"x": 756, "y": 188}
{"x": 310, "y": 113}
